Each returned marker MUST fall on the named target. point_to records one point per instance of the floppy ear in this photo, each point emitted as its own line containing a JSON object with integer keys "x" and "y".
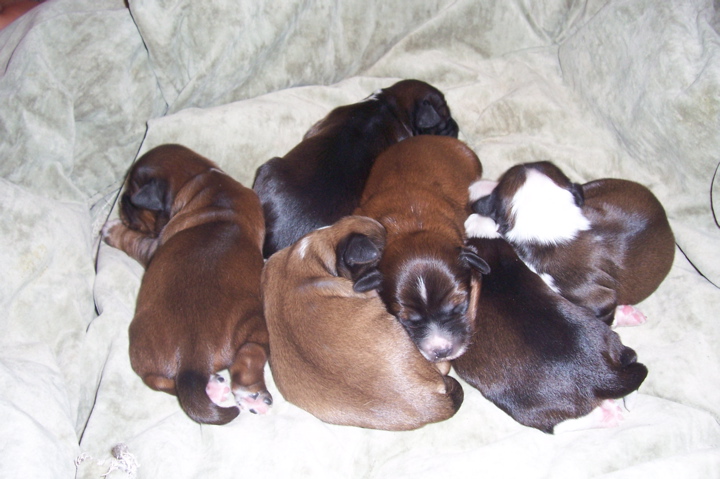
{"x": 151, "y": 196}
{"x": 469, "y": 256}
{"x": 426, "y": 116}
{"x": 360, "y": 250}
{"x": 578, "y": 194}
{"x": 367, "y": 280}
{"x": 484, "y": 206}
{"x": 358, "y": 257}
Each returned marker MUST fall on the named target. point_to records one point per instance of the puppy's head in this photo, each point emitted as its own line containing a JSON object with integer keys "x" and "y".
{"x": 434, "y": 296}
{"x": 153, "y": 182}
{"x": 534, "y": 202}
{"x": 421, "y": 107}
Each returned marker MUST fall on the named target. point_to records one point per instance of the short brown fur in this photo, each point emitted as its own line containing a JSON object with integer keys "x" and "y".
{"x": 418, "y": 190}
{"x": 198, "y": 309}
{"x": 337, "y": 353}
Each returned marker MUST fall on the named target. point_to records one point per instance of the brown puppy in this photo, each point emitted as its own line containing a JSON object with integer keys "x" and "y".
{"x": 536, "y": 355}
{"x": 418, "y": 191}
{"x": 321, "y": 179}
{"x": 335, "y": 350}
{"x": 604, "y": 245}
{"x": 199, "y": 234}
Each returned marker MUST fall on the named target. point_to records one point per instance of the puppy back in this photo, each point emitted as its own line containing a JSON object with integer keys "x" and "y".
{"x": 629, "y": 215}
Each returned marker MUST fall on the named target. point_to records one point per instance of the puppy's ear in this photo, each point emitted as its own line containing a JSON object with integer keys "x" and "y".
{"x": 150, "y": 196}
{"x": 578, "y": 194}
{"x": 357, "y": 260}
{"x": 367, "y": 280}
{"x": 469, "y": 256}
{"x": 426, "y": 116}
{"x": 360, "y": 250}
{"x": 484, "y": 206}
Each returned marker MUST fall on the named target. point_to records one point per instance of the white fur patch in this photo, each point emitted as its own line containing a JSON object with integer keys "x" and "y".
{"x": 545, "y": 212}
{"x": 422, "y": 289}
{"x": 374, "y": 95}
{"x": 608, "y": 414}
{"x": 477, "y": 226}
{"x": 438, "y": 339}
{"x": 547, "y": 279}
{"x": 302, "y": 247}
{"x": 481, "y": 188}
{"x": 550, "y": 281}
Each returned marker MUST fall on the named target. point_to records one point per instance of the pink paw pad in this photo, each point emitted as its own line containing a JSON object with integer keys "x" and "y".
{"x": 608, "y": 414}
{"x": 627, "y": 315}
{"x": 256, "y": 403}
{"x": 218, "y": 391}
{"x": 611, "y": 414}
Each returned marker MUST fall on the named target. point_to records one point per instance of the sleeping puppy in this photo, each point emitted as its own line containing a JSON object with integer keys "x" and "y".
{"x": 321, "y": 179}
{"x": 199, "y": 234}
{"x": 418, "y": 191}
{"x": 335, "y": 350}
{"x": 539, "y": 357}
{"x": 604, "y": 245}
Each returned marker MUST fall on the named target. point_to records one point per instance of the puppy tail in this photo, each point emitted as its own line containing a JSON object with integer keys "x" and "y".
{"x": 190, "y": 386}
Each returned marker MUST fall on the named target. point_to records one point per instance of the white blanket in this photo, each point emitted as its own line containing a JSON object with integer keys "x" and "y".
{"x": 619, "y": 88}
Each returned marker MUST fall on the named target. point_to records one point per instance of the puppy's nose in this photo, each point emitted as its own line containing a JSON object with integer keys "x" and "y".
{"x": 442, "y": 353}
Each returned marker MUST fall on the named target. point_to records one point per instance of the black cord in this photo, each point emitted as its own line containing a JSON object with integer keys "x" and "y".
{"x": 712, "y": 203}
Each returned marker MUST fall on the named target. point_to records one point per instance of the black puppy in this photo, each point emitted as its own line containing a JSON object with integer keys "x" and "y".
{"x": 321, "y": 179}
{"x": 536, "y": 355}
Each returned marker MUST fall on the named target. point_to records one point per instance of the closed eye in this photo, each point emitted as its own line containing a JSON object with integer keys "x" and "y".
{"x": 413, "y": 318}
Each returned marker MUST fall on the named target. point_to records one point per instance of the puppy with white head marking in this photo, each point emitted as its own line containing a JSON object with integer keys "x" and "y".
{"x": 604, "y": 245}
{"x": 418, "y": 191}
{"x": 539, "y": 357}
{"x": 335, "y": 351}
{"x": 321, "y": 179}
{"x": 199, "y": 234}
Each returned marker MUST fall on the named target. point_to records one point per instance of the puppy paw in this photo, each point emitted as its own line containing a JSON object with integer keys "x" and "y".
{"x": 608, "y": 414}
{"x": 611, "y": 414}
{"x": 256, "y": 403}
{"x": 477, "y": 226}
{"x": 627, "y": 315}
{"x": 108, "y": 227}
{"x": 218, "y": 391}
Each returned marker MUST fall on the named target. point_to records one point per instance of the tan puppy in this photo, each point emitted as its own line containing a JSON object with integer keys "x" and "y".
{"x": 418, "y": 190}
{"x": 335, "y": 350}
{"x": 199, "y": 233}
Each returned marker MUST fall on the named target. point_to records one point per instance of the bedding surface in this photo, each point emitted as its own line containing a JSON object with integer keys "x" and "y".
{"x": 613, "y": 88}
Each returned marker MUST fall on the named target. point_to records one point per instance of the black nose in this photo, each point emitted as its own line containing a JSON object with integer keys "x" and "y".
{"x": 442, "y": 353}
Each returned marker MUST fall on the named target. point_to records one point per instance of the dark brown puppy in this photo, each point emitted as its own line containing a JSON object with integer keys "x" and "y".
{"x": 321, "y": 179}
{"x": 604, "y": 245}
{"x": 418, "y": 191}
{"x": 335, "y": 350}
{"x": 536, "y": 355}
{"x": 199, "y": 234}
